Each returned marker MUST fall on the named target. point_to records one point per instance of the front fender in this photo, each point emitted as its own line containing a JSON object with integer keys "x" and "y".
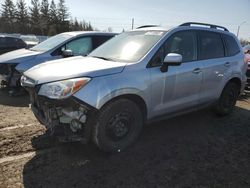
{"x": 103, "y": 89}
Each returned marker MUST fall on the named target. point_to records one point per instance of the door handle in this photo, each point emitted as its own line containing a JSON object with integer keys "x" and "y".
{"x": 227, "y": 64}
{"x": 197, "y": 71}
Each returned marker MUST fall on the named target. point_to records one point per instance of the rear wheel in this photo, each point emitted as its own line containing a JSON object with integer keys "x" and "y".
{"x": 118, "y": 125}
{"x": 228, "y": 99}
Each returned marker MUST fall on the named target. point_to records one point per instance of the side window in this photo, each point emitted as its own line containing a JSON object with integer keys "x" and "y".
{"x": 3, "y": 42}
{"x": 81, "y": 46}
{"x": 15, "y": 42}
{"x": 231, "y": 45}
{"x": 183, "y": 43}
{"x": 158, "y": 58}
{"x": 21, "y": 43}
{"x": 99, "y": 40}
{"x": 211, "y": 45}
{"x": 9, "y": 42}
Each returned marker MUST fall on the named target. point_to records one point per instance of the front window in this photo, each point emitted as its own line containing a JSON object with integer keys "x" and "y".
{"x": 81, "y": 46}
{"x": 183, "y": 43}
{"x": 129, "y": 46}
{"x": 51, "y": 42}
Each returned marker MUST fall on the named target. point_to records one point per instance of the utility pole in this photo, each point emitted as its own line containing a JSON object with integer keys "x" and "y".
{"x": 133, "y": 20}
{"x": 238, "y": 31}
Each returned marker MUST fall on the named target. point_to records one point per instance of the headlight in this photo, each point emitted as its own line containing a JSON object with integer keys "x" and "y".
{"x": 62, "y": 89}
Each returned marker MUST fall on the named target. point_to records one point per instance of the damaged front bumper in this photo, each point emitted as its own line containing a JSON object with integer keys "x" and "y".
{"x": 66, "y": 119}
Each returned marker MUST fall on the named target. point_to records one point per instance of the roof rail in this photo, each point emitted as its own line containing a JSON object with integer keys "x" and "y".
{"x": 204, "y": 24}
{"x": 144, "y": 26}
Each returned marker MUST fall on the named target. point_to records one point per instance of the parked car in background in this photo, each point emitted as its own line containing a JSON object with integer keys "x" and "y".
{"x": 8, "y": 44}
{"x": 63, "y": 45}
{"x": 137, "y": 77}
{"x": 247, "y": 60}
{"x": 42, "y": 38}
{"x": 30, "y": 40}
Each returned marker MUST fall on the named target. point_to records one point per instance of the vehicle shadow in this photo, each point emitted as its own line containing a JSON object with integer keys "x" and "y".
{"x": 15, "y": 101}
{"x": 194, "y": 150}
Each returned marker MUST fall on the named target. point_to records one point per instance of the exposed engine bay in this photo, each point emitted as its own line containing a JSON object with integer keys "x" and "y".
{"x": 67, "y": 120}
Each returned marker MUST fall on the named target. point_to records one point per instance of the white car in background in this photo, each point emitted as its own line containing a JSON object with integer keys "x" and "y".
{"x": 59, "y": 46}
{"x": 30, "y": 40}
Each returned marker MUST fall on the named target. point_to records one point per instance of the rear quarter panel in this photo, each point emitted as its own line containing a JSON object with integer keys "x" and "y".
{"x": 236, "y": 70}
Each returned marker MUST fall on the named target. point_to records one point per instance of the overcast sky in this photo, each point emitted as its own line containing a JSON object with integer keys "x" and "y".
{"x": 118, "y": 14}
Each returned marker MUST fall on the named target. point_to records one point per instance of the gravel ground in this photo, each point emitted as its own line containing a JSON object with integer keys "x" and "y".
{"x": 195, "y": 150}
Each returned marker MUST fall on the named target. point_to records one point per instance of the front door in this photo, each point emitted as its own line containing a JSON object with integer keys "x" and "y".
{"x": 178, "y": 88}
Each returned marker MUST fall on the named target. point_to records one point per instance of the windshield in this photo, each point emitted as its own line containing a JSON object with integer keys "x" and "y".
{"x": 51, "y": 42}
{"x": 129, "y": 46}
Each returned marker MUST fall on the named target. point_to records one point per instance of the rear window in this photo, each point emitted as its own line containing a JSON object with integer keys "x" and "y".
{"x": 211, "y": 45}
{"x": 231, "y": 45}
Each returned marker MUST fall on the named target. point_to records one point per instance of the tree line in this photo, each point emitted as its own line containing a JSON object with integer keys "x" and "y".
{"x": 40, "y": 18}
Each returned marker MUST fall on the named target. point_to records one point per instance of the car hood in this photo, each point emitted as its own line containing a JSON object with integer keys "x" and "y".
{"x": 18, "y": 56}
{"x": 72, "y": 68}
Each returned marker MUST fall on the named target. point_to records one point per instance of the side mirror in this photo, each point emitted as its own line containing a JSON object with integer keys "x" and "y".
{"x": 67, "y": 53}
{"x": 85, "y": 54}
{"x": 171, "y": 59}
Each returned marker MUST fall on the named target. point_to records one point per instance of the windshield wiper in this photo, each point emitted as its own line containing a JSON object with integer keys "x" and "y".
{"x": 104, "y": 58}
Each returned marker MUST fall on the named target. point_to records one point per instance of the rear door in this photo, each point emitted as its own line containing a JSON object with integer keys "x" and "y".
{"x": 214, "y": 64}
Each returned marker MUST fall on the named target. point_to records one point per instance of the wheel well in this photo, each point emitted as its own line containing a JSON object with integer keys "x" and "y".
{"x": 236, "y": 81}
{"x": 136, "y": 99}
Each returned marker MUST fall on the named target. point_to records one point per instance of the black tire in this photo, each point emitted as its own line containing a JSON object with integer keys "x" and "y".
{"x": 38, "y": 119}
{"x": 117, "y": 126}
{"x": 227, "y": 100}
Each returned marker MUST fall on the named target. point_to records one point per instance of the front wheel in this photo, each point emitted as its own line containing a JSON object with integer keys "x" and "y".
{"x": 227, "y": 100}
{"x": 118, "y": 125}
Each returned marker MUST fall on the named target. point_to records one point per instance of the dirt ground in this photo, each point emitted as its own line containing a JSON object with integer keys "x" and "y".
{"x": 196, "y": 150}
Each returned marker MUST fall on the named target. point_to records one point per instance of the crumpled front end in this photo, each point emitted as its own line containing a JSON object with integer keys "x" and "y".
{"x": 9, "y": 77}
{"x": 66, "y": 119}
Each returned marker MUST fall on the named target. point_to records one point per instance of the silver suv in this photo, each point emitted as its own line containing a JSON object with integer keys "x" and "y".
{"x": 134, "y": 78}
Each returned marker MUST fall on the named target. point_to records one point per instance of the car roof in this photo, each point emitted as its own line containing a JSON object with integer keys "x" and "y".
{"x": 187, "y": 26}
{"x": 9, "y": 37}
{"x": 151, "y": 28}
